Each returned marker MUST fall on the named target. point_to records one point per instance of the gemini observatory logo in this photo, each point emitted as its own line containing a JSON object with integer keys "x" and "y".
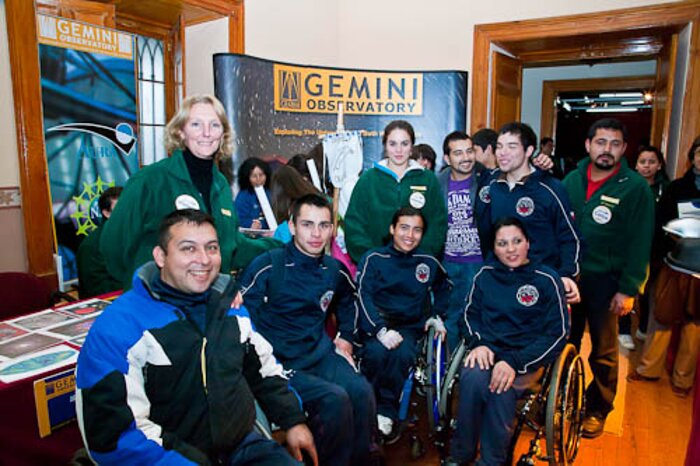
{"x": 290, "y": 84}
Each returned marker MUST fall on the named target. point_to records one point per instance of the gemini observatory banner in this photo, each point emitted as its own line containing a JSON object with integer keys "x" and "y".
{"x": 88, "y": 91}
{"x": 281, "y": 109}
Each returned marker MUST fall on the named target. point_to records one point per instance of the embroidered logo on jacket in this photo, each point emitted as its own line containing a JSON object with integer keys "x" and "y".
{"x": 525, "y": 206}
{"x": 417, "y": 200}
{"x": 485, "y": 194}
{"x": 326, "y": 300}
{"x": 527, "y": 295}
{"x": 422, "y": 273}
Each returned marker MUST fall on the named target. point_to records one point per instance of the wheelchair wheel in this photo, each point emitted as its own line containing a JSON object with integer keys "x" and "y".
{"x": 448, "y": 402}
{"x": 429, "y": 375}
{"x": 446, "y": 409}
{"x": 565, "y": 408}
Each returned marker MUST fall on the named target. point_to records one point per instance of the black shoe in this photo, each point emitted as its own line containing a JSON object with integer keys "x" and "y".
{"x": 394, "y": 436}
{"x": 593, "y": 426}
{"x": 451, "y": 462}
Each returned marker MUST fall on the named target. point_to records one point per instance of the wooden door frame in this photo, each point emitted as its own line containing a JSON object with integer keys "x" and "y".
{"x": 551, "y": 89}
{"x": 26, "y": 90}
{"x": 678, "y": 15}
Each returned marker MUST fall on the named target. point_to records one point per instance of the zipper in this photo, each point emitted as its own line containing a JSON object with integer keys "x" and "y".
{"x": 203, "y": 364}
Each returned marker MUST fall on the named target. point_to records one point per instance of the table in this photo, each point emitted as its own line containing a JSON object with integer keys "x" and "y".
{"x": 20, "y": 443}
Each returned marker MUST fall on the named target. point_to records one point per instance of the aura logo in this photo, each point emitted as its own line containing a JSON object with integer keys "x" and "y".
{"x": 289, "y": 89}
{"x": 121, "y": 136}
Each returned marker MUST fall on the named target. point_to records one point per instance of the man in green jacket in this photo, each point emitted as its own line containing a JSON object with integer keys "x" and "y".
{"x": 614, "y": 209}
{"x": 93, "y": 278}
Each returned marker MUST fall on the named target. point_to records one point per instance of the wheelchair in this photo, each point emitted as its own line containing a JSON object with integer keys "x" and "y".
{"x": 554, "y": 411}
{"x": 425, "y": 379}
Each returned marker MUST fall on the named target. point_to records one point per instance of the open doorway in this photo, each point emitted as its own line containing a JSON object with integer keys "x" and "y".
{"x": 650, "y": 33}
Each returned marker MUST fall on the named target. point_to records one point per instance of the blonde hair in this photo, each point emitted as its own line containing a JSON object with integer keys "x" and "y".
{"x": 173, "y": 131}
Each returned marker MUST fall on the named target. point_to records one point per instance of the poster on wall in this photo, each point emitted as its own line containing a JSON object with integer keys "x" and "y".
{"x": 279, "y": 109}
{"x": 88, "y": 91}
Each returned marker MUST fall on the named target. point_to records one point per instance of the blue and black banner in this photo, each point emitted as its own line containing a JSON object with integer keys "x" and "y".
{"x": 280, "y": 109}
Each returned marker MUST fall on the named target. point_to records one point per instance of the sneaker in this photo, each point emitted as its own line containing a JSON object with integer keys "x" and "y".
{"x": 641, "y": 336}
{"x": 384, "y": 424}
{"x": 626, "y": 342}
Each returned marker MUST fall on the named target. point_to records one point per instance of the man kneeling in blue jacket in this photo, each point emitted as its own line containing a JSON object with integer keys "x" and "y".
{"x": 169, "y": 371}
{"x": 396, "y": 284}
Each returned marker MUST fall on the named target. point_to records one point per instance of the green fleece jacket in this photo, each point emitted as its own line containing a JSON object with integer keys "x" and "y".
{"x": 617, "y": 224}
{"x": 379, "y": 193}
{"x": 156, "y": 190}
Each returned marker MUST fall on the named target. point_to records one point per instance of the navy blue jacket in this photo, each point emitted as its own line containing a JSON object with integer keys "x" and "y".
{"x": 292, "y": 313}
{"x": 542, "y": 204}
{"x": 395, "y": 288}
{"x": 520, "y": 314}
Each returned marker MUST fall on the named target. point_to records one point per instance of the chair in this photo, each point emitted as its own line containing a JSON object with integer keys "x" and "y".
{"x": 554, "y": 411}
{"x": 23, "y": 293}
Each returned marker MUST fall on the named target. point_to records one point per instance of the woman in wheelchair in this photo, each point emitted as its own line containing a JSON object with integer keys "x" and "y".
{"x": 395, "y": 284}
{"x": 517, "y": 323}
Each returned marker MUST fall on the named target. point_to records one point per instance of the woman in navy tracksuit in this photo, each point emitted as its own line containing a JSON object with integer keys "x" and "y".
{"x": 517, "y": 323}
{"x": 395, "y": 286}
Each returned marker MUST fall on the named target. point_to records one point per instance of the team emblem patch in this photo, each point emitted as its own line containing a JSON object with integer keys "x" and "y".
{"x": 326, "y": 300}
{"x": 185, "y": 201}
{"x": 417, "y": 200}
{"x": 422, "y": 273}
{"x": 601, "y": 214}
{"x": 485, "y": 194}
{"x": 525, "y": 206}
{"x": 527, "y": 295}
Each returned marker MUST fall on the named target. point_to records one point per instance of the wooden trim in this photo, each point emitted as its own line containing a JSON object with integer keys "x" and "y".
{"x": 551, "y": 89}
{"x": 34, "y": 182}
{"x": 480, "y": 80}
{"x": 676, "y": 15}
{"x": 236, "y": 30}
{"x": 691, "y": 102}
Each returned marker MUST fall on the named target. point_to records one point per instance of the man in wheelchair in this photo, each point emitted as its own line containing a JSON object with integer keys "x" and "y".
{"x": 396, "y": 283}
{"x": 517, "y": 323}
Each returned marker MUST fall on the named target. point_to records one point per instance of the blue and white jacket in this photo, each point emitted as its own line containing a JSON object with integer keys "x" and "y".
{"x": 289, "y": 295}
{"x": 520, "y": 314}
{"x": 396, "y": 289}
{"x": 542, "y": 204}
{"x": 153, "y": 389}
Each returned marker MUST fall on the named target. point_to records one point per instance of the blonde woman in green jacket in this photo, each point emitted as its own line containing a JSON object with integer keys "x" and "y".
{"x": 196, "y": 137}
{"x": 392, "y": 183}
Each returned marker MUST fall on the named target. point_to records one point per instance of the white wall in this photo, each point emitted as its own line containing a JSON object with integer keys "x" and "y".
{"x": 391, "y": 34}
{"x": 9, "y": 163}
{"x": 531, "y": 110}
{"x": 297, "y": 31}
{"x": 202, "y": 41}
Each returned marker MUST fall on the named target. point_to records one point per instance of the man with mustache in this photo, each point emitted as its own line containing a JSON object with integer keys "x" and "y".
{"x": 614, "y": 209}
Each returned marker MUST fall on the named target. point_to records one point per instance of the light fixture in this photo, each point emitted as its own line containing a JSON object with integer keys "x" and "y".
{"x": 621, "y": 94}
{"x": 633, "y": 102}
{"x": 648, "y": 96}
{"x": 610, "y": 110}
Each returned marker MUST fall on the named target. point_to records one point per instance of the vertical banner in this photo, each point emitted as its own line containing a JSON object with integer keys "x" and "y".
{"x": 88, "y": 90}
{"x": 279, "y": 110}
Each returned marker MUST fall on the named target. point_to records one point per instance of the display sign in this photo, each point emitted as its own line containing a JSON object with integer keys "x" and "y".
{"x": 282, "y": 109}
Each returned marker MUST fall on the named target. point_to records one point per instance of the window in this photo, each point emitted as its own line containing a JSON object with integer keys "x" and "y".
{"x": 151, "y": 79}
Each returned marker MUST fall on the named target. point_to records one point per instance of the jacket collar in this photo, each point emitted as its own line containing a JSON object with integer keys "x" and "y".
{"x": 383, "y": 166}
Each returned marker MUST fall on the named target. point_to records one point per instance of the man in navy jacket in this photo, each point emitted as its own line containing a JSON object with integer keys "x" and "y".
{"x": 289, "y": 293}
{"x": 537, "y": 199}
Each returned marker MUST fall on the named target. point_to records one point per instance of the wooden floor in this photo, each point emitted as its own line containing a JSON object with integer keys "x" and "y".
{"x": 655, "y": 430}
